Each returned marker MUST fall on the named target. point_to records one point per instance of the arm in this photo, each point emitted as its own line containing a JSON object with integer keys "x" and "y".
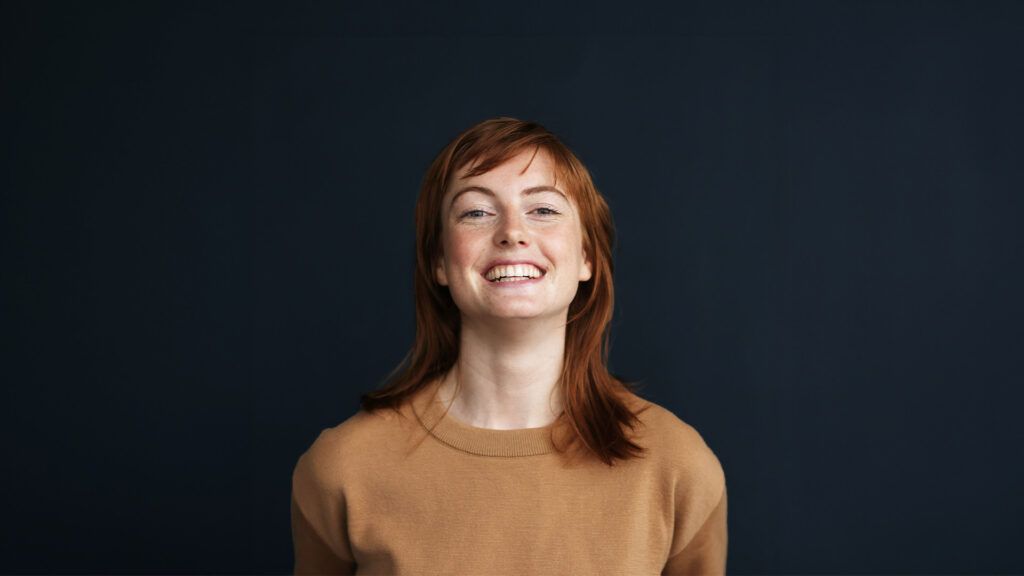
{"x": 706, "y": 552}
{"x": 319, "y": 528}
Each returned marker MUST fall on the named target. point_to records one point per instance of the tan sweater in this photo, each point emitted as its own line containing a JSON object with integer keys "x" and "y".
{"x": 380, "y": 494}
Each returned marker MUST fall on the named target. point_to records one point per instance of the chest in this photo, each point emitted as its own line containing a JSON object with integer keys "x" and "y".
{"x": 510, "y": 516}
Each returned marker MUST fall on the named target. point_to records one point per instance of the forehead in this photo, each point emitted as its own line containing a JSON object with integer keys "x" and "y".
{"x": 526, "y": 169}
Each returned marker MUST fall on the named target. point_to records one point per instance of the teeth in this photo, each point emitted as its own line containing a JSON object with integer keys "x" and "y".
{"x": 523, "y": 270}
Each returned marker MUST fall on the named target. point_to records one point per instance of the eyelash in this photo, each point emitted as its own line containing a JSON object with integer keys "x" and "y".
{"x": 552, "y": 210}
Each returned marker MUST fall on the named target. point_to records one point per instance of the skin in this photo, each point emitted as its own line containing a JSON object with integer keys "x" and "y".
{"x": 513, "y": 336}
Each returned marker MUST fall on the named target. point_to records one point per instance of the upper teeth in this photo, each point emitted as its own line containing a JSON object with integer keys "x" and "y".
{"x": 513, "y": 270}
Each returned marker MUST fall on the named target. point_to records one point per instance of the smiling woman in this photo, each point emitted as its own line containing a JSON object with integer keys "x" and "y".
{"x": 502, "y": 444}
{"x": 513, "y": 249}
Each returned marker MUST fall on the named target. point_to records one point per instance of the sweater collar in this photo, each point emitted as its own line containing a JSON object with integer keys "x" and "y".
{"x": 430, "y": 411}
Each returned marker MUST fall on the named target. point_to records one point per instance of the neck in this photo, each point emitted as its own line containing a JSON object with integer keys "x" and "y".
{"x": 507, "y": 378}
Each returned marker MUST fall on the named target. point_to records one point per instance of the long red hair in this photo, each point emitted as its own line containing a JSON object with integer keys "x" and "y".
{"x": 595, "y": 410}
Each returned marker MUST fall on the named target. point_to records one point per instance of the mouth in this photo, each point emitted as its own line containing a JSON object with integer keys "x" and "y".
{"x": 514, "y": 274}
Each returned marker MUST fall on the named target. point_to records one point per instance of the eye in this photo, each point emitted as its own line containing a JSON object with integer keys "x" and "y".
{"x": 550, "y": 211}
{"x": 468, "y": 212}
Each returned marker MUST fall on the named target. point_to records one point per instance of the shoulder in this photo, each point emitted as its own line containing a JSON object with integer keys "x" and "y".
{"x": 679, "y": 448}
{"x": 344, "y": 449}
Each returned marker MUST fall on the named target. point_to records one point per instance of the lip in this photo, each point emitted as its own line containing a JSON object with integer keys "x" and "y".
{"x": 543, "y": 271}
{"x": 515, "y": 283}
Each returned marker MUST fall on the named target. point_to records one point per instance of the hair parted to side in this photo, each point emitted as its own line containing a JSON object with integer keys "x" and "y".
{"x": 595, "y": 413}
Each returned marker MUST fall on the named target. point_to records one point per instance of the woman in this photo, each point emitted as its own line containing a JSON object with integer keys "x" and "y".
{"x": 502, "y": 445}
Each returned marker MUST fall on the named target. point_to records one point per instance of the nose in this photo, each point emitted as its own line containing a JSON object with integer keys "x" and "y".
{"x": 511, "y": 232}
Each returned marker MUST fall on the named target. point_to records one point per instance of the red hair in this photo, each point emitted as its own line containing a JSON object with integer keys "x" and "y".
{"x": 595, "y": 410}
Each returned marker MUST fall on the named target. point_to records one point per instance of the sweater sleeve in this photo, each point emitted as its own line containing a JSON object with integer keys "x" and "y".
{"x": 706, "y": 551}
{"x": 319, "y": 530}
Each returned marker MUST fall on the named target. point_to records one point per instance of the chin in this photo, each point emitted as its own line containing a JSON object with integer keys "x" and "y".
{"x": 521, "y": 314}
{"x": 515, "y": 314}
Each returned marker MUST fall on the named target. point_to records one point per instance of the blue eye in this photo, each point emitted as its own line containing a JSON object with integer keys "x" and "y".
{"x": 472, "y": 213}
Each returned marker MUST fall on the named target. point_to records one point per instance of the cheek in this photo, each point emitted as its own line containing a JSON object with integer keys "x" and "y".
{"x": 462, "y": 250}
{"x": 567, "y": 244}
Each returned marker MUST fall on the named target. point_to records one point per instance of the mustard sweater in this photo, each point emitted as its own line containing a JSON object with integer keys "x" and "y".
{"x": 419, "y": 493}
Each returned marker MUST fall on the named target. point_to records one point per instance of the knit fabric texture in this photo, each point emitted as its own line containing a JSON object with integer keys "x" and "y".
{"x": 422, "y": 492}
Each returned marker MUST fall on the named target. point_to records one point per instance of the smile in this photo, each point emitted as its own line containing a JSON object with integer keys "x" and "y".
{"x": 513, "y": 273}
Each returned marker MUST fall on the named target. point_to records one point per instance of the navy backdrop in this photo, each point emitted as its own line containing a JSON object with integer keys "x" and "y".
{"x": 207, "y": 257}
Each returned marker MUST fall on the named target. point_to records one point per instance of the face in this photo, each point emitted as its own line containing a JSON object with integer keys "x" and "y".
{"x": 512, "y": 214}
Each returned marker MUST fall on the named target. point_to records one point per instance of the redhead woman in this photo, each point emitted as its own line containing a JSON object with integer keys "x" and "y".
{"x": 502, "y": 444}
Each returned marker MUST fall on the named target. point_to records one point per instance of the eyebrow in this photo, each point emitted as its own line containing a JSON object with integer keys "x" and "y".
{"x": 489, "y": 192}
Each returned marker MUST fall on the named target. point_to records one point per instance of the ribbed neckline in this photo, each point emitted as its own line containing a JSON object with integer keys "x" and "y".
{"x": 430, "y": 411}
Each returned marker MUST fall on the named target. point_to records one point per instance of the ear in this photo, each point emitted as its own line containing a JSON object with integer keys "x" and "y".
{"x": 586, "y": 270}
{"x": 440, "y": 274}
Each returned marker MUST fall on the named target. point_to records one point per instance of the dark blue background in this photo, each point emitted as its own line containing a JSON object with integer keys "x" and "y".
{"x": 207, "y": 257}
